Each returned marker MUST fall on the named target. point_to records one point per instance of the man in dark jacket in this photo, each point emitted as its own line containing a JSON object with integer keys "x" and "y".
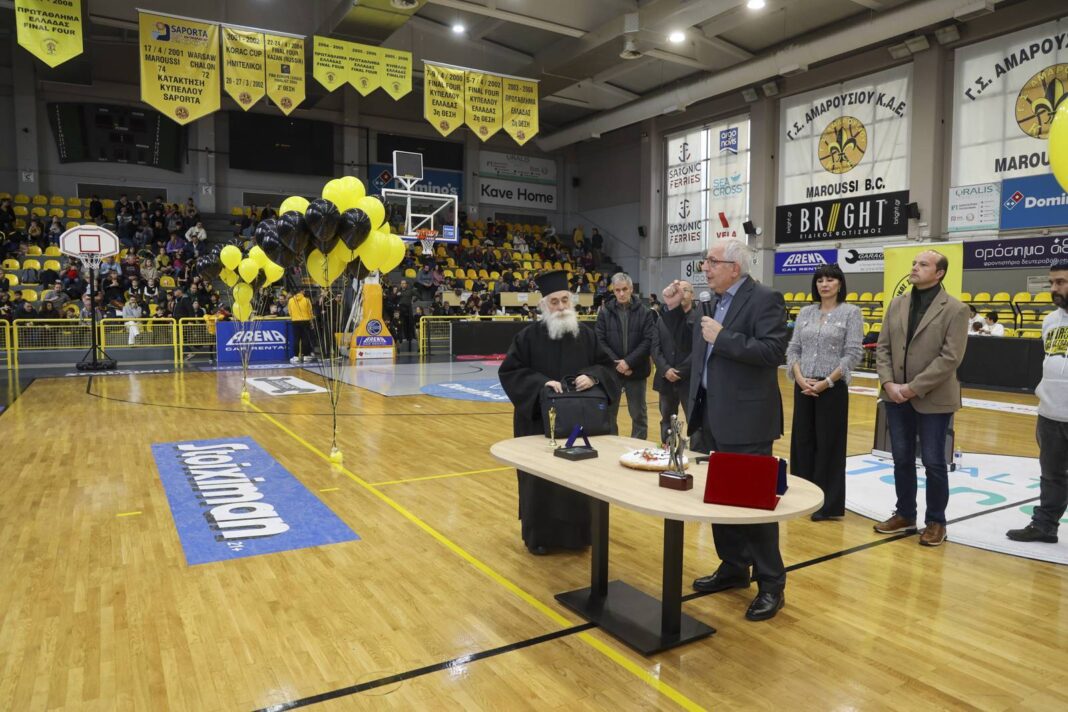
{"x": 626, "y": 330}
{"x": 671, "y": 354}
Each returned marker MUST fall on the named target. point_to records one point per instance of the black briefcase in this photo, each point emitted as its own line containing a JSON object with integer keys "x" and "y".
{"x": 587, "y": 408}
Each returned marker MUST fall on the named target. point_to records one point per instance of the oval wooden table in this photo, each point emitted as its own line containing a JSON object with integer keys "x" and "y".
{"x": 636, "y": 618}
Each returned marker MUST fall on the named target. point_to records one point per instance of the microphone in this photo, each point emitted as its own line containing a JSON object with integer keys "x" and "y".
{"x": 706, "y": 303}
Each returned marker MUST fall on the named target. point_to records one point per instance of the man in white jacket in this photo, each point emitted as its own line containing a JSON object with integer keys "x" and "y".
{"x": 1052, "y": 429}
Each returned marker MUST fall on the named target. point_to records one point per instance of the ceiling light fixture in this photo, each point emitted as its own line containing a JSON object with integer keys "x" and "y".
{"x": 677, "y": 37}
{"x": 458, "y": 28}
{"x": 755, "y": 4}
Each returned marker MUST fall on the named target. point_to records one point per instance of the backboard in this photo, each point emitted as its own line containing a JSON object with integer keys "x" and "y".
{"x": 415, "y": 213}
{"x": 89, "y": 243}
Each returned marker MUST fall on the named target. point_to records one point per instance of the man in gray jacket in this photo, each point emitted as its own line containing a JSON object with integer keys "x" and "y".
{"x": 626, "y": 330}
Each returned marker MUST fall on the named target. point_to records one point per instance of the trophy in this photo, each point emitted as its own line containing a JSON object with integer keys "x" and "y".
{"x": 552, "y": 427}
{"x": 675, "y": 477}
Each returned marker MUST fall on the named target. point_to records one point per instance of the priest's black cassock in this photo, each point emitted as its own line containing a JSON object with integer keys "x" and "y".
{"x": 552, "y": 515}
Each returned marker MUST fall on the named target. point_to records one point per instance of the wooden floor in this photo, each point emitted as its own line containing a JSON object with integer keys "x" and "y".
{"x": 100, "y": 611}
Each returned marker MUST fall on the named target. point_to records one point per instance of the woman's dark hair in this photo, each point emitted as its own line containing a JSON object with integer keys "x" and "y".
{"x": 834, "y": 272}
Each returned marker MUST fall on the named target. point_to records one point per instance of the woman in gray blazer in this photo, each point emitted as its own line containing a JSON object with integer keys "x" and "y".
{"x": 824, "y": 350}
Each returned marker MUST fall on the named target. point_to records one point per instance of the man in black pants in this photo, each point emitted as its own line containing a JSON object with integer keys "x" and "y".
{"x": 735, "y": 401}
{"x": 671, "y": 354}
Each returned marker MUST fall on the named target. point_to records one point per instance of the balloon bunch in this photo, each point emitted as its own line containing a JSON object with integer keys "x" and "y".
{"x": 242, "y": 274}
{"x": 1058, "y": 145}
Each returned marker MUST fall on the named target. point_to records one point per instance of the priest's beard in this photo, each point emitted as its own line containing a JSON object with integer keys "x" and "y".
{"x": 561, "y": 323}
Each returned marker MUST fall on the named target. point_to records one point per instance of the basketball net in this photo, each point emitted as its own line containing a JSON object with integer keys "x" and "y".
{"x": 426, "y": 239}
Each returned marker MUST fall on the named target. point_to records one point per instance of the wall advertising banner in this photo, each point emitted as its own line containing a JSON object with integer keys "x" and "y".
{"x": 434, "y": 181}
{"x": 1033, "y": 201}
{"x": 50, "y": 30}
{"x": 878, "y": 215}
{"x": 519, "y": 195}
{"x": 1016, "y": 253}
{"x": 706, "y": 185}
{"x": 692, "y": 273}
{"x": 860, "y": 260}
{"x": 512, "y": 166}
{"x": 264, "y": 341}
{"x": 243, "y": 66}
{"x": 179, "y": 66}
{"x": 974, "y": 207}
{"x": 1006, "y": 92}
{"x": 285, "y": 71}
{"x": 846, "y": 142}
{"x": 803, "y": 261}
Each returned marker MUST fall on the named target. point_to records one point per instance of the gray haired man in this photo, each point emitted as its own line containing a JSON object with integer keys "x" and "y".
{"x": 626, "y": 331}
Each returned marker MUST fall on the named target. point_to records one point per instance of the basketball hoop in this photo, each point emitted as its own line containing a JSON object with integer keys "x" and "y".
{"x": 91, "y": 244}
{"x": 426, "y": 239}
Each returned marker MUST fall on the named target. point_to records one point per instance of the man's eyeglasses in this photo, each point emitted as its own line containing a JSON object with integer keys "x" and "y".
{"x": 713, "y": 261}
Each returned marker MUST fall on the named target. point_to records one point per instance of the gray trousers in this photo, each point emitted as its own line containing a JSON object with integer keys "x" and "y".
{"x": 635, "y": 392}
{"x": 672, "y": 395}
{"x": 1052, "y": 436}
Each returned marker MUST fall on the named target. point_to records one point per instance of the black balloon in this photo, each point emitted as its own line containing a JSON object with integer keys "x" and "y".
{"x": 208, "y": 267}
{"x": 322, "y": 218}
{"x": 356, "y": 270}
{"x": 354, "y": 227}
{"x": 266, "y": 228}
{"x": 293, "y": 232}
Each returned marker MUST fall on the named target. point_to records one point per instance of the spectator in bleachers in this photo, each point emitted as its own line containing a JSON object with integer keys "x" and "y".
{"x": 163, "y": 262}
{"x": 974, "y": 317}
{"x": 7, "y": 215}
{"x": 96, "y": 209}
{"x": 139, "y": 205}
{"x": 267, "y": 212}
{"x": 131, "y": 311}
{"x": 113, "y": 289}
{"x": 123, "y": 203}
{"x": 7, "y": 312}
{"x": 73, "y": 283}
{"x": 149, "y": 271}
{"x": 183, "y": 305}
{"x": 424, "y": 284}
{"x": 56, "y": 294}
{"x": 55, "y": 229}
{"x": 124, "y": 227}
{"x": 991, "y": 327}
{"x": 130, "y": 267}
{"x": 48, "y": 311}
{"x": 597, "y": 245}
{"x": 197, "y": 232}
{"x": 35, "y": 231}
{"x": 108, "y": 266}
{"x": 977, "y": 329}
{"x": 24, "y": 309}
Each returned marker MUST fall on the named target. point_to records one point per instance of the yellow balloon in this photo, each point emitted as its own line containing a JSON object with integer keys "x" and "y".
{"x": 355, "y": 186}
{"x": 374, "y": 250}
{"x": 322, "y": 271}
{"x": 258, "y": 255}
{"x": 273, "y": 272}
{"x": 336, "y": 263}
{"x": 394, "y": 254}
{"x": 344, "y": 193}
{"x": 293, "y": 203}
{"x": 243, "y": 293}
{"x": 242, "y": 311}
{"x": 230, "y": 256}
{"x": 340, "y": 253}
{"x": 374, "y": 209}
{"x": 248, "y": 269}
{"x": 228, "y": 276}
{"x": 1058, "y": 145}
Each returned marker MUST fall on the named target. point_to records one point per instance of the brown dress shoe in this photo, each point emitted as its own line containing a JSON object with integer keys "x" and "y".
{"x": 895, "y": 525}
{"x": 933, "y": 535}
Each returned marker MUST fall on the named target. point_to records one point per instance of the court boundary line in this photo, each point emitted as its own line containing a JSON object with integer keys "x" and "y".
{"x": 439, "y": 477}
{"x": 609, "y": 652}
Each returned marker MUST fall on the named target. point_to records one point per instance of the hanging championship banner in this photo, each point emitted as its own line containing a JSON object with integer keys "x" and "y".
{"x": 443, "y": 97}
{"x": 482, "y": 103}
{"x": 285, "y": 71}
{"x": 330, "y": 60}
{"x": 50, "y": 30}
{"x": 395, "y": 73}
{"x": 1006, "y": 92}
{"x": 520, "y": 109}
{"x": 179, "y": 66}
{"x": 364, "y": 68}
{"x": 243, "y": 66}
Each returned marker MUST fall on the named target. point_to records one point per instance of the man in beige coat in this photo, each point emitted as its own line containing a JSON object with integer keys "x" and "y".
{"x": 922, "y": 342}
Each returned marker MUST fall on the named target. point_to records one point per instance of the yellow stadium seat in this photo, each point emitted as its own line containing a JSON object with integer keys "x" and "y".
{"x": 867, "y": 328}
{"x": 237, "y": 211}
{"x": 1043, "y": 298}
{"x": 448, "y": 273}
{"x": 1000, "y": 297}
{"x": 57, "y": 200}
{"x": 981, "y": 297}
{"x": 21, "y": 211}
{"x": 877, "y": 327}
{"x": 72, "y": 223}
{"x": 483, "y": 274}
{"x": 40, "y": 200}
{"x": 38, "y": 211}
{"x": 12, "y": 280}
{"x": 53, "y": 264}
{"x": 33, "y": 251}
{"x": 52, "y": 251}
{"x": 469, "y": 284}
{"x": 965, "y": 296}
{"x": 29, "y": 295}
{"x": 409, "y": 273}
{"x": 74, "y": 213}
{"x": 152, "y": 308}
{"x": 495, "y": 275}
{"x": 167, "y": 282}
{"x": 1022, "y": 297}
{"x": 517, "y": 275}
{"x": 74, "y": 202}
{"x": 880, "y": 296}
{"x": 108, "y": 203}
{"x": 866, "y": 297}
{"x": 459, "y": 273}
{"x": 851, "y": 297}
{"x": 22, "y": 199}
{"x": 5, "y": 195}
{"x": 11, "y": 263}
{"x": 55, "y": 212}
{"x": 31, "y": 263}
{"x": 1031, "y": 333}
{"x": 490, "y": 285}
{"x": 20, "y": 224}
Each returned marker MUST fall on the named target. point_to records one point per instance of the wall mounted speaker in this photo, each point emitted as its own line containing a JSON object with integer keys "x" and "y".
{"x": 913, "y": 211}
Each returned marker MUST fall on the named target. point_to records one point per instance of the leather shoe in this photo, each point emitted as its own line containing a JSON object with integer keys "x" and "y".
{"x": 765, "y": 606}
{"x": 714, "y": 583}
{"x": 1031, "y": 533}
{"x": 896, "y": 524}
{"x": 934, "y": 534}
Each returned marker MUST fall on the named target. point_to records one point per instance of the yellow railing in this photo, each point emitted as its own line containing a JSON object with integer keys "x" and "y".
{"x": 5, "y": 341}
{"x": 435, "y": 332}
{"x": 136, "y": 333}
{"x": 196, "y": 335}
{"x": 50, "y": 334}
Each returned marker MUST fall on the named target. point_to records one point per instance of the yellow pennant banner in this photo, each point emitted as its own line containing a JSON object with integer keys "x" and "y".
{"x": 243, "y": 66}
{"x": 179, "y": 66}
{"x": 483, "y": 103}
{"x": 364, "y": 68}
{"x": 330, "y": 61}
{"x": 285, "y": 71}
{"x": 50, "y": 30}
{"x": 443, "y": 97}
{"x": 520, "y": 109}
{"x": 396, "y": 71}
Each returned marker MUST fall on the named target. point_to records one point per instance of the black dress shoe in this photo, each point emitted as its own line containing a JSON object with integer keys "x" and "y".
{"x": 1031, "y": 533}
{"x": 721, "y": 582}
{"x": 537, "y": 550}
{"x": 765, "y": 606}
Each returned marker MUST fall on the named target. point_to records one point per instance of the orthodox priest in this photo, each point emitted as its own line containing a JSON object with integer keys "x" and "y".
{"x": 542, "y": 356}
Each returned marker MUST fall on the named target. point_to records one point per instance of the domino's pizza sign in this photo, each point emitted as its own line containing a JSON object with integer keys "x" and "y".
{"x": 1033, "y": 202}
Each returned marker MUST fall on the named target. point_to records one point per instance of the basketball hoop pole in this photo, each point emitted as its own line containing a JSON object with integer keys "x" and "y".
{"x": 95, "y": 359}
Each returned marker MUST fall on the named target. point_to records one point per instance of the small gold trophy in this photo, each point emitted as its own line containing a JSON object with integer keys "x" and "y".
{"x": 552, "y": 427}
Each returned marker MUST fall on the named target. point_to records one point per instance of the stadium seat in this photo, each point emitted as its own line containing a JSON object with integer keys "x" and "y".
{"x": 74, "y": 202}
{"x": 72, "y": 223}
{"x": 1001, "y": 297}
{"x": 20, "y": 224}
{"x": 981, "y": 297}
{"x": 38, "y": 211}
{"x": 167, "y": 282}
{"x": 108, "y": 203}
{"x": 53, "y": 265}
{"x": 851, "y": 297}
{"x": 877, "y": 327}
{"x": 152, "y": 308}
{"x": 237, "y": 211}
{"x": 965, "y": 297}
{"x": 880, "y": 297}
{"x": 866, "y": 297}
{"x": 409, "y": 273}
{"x": 460, "y": 273}
{"x": 55, "y": 212}
{"x": 29, "y": 295}
{"x": 5, "y": 195}
{"x": 1043, "y": 298}
{"x": 40, "y": 200}
{"x": 53, "y": 251}
{"x": 33, "y": 251}
{"x": 448, "y": 273}
{"x": 31, "y": 263}
{"x": 1031, "y": 333}
{"x": 22, "y": 199}
{"x": 495, "y": 275}
{"x": 21, "y": 211}
{"x": 483, "y": 274}
{"x": 57, "y": 200}
{"x": 12, "y": 280}
{"x": 11, "y": 263}
{"x": 469, "y": 284}
{"x": 74, "y": 213}
{"x": 1021, "y": 298}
